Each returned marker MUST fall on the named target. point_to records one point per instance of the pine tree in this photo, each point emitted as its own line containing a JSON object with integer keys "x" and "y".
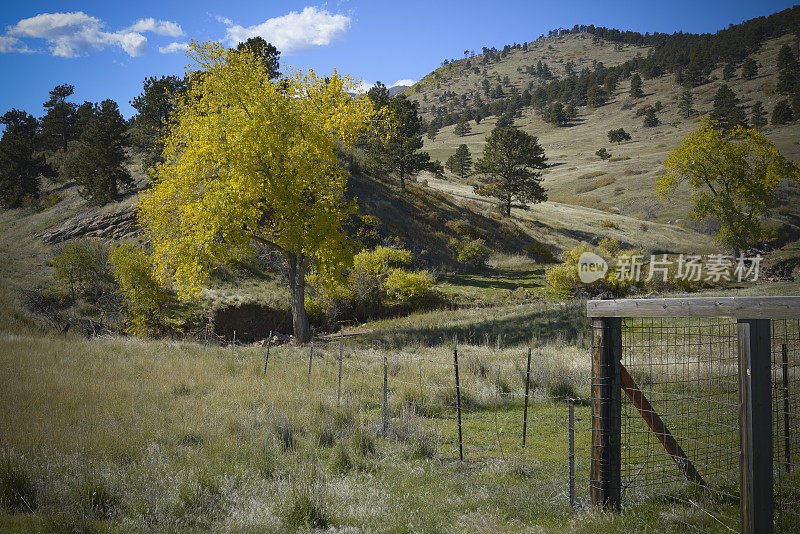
{"x": 610, "y": 83}
{"x": 758, "y": 116}
{"x": 795, "y": 98}
{"x": 266, "y": 52}
{"x": 650, "y": 118}
{"x": 749, "y": 69}
{"x": 728, "y": 71}
{"x": 595, "y": 96}
{"x": 97, "y": 161}
{"x": 462, "y": 128}
{"x": 685, "y": 103}
{"x": 787, "y": 70}
{"x": 432, "y": 131}
{"x": 603, "y": 153}
{"x": 554, "y": 114}
{"x": 506, "y": 120}
{"x": 460, "y": 163}
{"x": 636, "y": 86}
{"x": 726, "y": 113}
{"x": 509, "y": 165}
{"x": 619, "y": 135}
{"x": 59, "y": 120}
{"x": 782, "y": 113}
{"x": 21, "y": 166}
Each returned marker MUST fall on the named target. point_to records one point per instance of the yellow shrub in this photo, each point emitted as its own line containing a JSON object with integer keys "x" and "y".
{"x": 408, "y": 286}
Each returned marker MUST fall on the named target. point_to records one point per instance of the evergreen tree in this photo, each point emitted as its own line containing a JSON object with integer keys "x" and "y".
{"x": 610, "y": 83}
{"x": 506, "y": 120}
{"x": 595, "y": 96}
{"x": 796, "y": 101}
{"x": 570, "y": 112}
{"x": 636, "y": 86}
{"x": 726, "y": 113}
{"x": 619, "y": 135}
{"x": 21, "y": 165}
{"x": 399, "y": 151}
{"x": 787, "y": 70}
{"x": 59, "y": 120}
{"x": 758, "y": 117}
{"x": 554, "y": 114}
{"x": 603, "y": 153}
{"x": 650, "y": 118}
{"x": 460, "y": 163}
{"x": 462, "y": 128}
{"x": 728, "y": 71}
{"x": 749, "y": 68}
{"x": 266, "y": 52}
{"x": 97, "y": 161}
{"x": 509, "y": 165}
{"x": 432, "y": 130}
{"x": 685, "y": 103}
{"x": 782, "y": 113}
{"x": 154, "y": 106}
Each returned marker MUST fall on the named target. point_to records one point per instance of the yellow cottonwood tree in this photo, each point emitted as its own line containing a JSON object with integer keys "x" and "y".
{"x": 251, "y": 160}
{"x": 733, "y": 177}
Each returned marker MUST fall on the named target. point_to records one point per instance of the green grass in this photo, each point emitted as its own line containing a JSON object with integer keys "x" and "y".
{"x": 120, "y": 435}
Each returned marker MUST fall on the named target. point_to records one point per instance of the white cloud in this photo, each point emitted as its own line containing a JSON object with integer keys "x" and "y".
{"x": 405, "y": 81}
{"x": 159, "y": 27}
{"x": 75, "y": 34}
{"x": 12, "y": 44}
{"x": 224, "y": 20}
{"x": 363, "y": 87}
{"x": 173, "y": 48}
{"x": 294, "y": 32}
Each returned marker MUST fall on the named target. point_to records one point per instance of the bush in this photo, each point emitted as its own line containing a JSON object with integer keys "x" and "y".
{"x": 407, "y": 287}
{"x": 471, "y": 252}
{"x": 143, "y": 297}
{"x": 603, "y": 153}
{"x": 82, "y": 268}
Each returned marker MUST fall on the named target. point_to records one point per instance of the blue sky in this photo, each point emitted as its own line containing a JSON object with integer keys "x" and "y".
{"x": 107, "y": 48}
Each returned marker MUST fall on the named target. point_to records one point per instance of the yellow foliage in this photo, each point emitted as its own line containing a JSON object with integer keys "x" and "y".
{"x": 251, "y": 159}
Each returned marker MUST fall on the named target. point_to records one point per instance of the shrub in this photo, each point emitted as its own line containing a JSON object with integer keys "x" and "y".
{"x": 471, "y": 252}
{"x": 603, "y": 153}
{"x": 408, "y": 286}
{"x": 609, "y": 224}
{"x": 142, "y": 295}
{"x": 82, "y": 266}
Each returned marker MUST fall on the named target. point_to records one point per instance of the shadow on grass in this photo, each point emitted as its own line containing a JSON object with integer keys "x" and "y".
{"x": 566, "y": 323}
{"x": 497, "y": 279}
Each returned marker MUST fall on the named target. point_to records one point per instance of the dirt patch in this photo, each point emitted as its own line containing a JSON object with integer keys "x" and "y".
{"x": 251, "y": 322}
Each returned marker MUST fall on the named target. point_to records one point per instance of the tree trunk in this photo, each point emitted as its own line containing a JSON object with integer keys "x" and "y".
{"x": 297, "y": 289}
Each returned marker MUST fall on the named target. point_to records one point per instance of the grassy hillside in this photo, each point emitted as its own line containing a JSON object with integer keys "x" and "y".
{"x": 628, "y": 179}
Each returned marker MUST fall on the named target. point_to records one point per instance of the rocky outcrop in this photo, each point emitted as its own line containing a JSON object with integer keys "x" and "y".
{"x": 117, "y": 225}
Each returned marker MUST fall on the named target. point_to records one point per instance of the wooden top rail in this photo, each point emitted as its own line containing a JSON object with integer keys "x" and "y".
{"x": 733, "y": 307}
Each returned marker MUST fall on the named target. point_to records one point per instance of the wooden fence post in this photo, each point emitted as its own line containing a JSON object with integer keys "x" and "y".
{"x": 310, "y": 359}
{"x": 755, "y": 426}
{"x": 233, "y": 346}
{"x": 605, "y": 475}
{"x": 527, "y": 391}
{"x": 266, "y": 360}
{"x": 458, "y": 405}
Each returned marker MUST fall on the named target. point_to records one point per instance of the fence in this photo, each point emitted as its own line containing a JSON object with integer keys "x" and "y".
{"x": 695, "y": 400}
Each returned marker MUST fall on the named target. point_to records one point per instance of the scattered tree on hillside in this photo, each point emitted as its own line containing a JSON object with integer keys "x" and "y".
{"x": 154, "y": 106}
{"x": 610, "y": 83}
{"x": 685, "y": 103}
{"x": 432, "y": 131}
{"x": 733, "y": 177}
{"x": 650, "y": 118}
{"x": 788, "y": 70}
{"x": 398, "y": 151}
{"x": 749, "y": 68}
{"x": 636, "y": 86}
{"x": 460, "y": 162}
{"x": 619, "y": 135}
{"x": 595, "y": 96}
{"x": 796, "y": 101}
{"x": 758, "y": 117}
{"x": 509, "y": 165}
{"x": 462, "y": 128}
{"x": 96, "y": 161}
{"x": 782, "y": 113}
{"x": 506, "y": 120}
{"x": 728, "y": 71}
{"x": 58, "y": 123}
{"x": 726, "y": 113}
{"x": 274, "y": 180}
{"x": 603, "y": 153}
{"x": 264, "y": 51}
{"x": 554, "y": 114}
{"x": 21, "y": 164}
